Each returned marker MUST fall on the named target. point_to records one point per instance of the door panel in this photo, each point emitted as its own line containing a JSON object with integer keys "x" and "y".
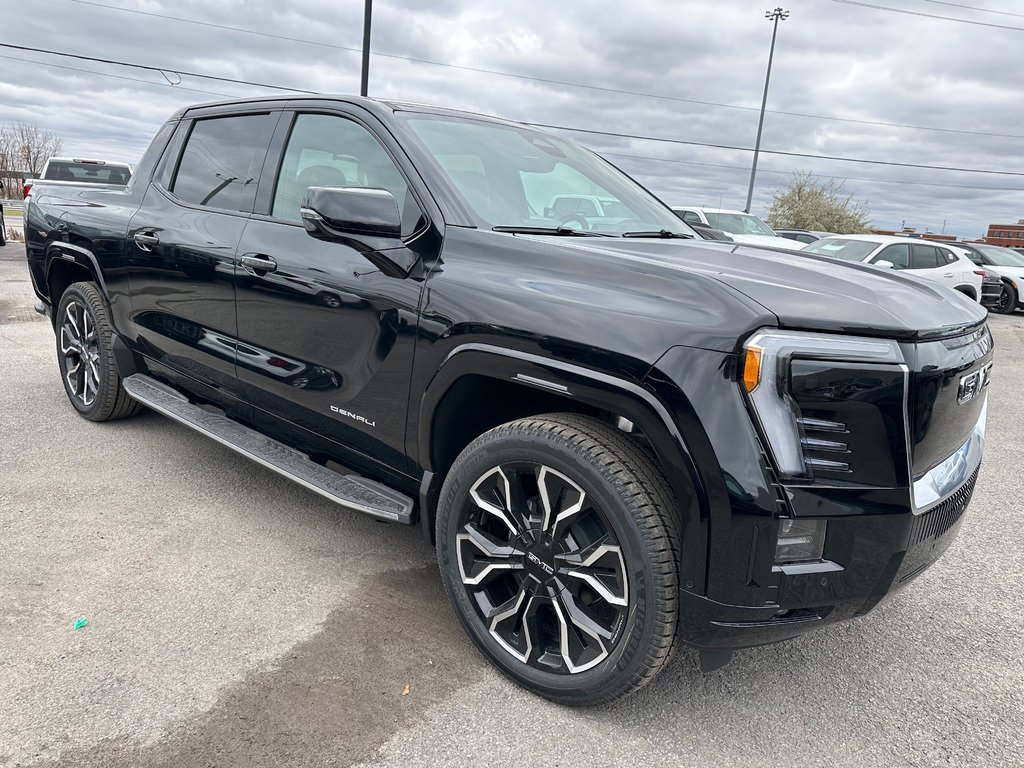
{"x": 326, "y": 340}
{"x": 182, "y": 247}
{"x": 182, "y": 287}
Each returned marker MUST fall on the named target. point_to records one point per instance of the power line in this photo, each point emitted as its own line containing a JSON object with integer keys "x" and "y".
{"x": 549, "y": 81}
{"x": 929, "y": 15}
{"x": 816, "y": 175}
{"x": 836, "y": 158}
{"x": 161, "y": 70}
{"x": 975, "y": 8}
{"x": 118, "y": 77}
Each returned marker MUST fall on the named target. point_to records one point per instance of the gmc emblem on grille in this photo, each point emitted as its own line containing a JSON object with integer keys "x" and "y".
{"x": 972, "y": 384}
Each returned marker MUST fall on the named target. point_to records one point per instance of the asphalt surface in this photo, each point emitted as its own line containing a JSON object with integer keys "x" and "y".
{"x": 235, "y": 619}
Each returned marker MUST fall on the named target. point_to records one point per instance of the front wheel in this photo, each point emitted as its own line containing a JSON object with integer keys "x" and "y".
{"x": 1007, "y": 303}
{"x": 85, "y": 357}
{"x": 557, "y": 541}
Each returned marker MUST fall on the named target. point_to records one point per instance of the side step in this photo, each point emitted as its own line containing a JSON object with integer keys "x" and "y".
{"x": 351, "y": 491}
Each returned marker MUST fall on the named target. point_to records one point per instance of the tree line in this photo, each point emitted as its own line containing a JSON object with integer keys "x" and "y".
{"x": 25, "y": 148}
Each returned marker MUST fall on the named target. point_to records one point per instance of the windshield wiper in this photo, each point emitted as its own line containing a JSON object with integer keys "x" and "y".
{"x": 662, "y": 233}
{"x": 560, "y": 231}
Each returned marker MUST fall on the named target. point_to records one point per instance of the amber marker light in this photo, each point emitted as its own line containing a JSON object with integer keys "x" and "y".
{"x": 752, "y": 369}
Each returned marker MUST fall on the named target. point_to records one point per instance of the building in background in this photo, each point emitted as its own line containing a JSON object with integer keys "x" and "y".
{"x": 911, "y": 232}
{"x": 1008, "y": 235}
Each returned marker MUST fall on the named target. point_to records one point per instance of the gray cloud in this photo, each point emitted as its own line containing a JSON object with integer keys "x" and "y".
{"x": 831, "y": 59}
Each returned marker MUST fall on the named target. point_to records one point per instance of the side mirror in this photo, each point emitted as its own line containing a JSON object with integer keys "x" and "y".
{"x": 884, "y": 264}
{"x": 363, "y": 218}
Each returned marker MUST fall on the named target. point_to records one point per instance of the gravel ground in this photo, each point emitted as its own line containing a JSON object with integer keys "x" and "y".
{"x": 237, "y": 619}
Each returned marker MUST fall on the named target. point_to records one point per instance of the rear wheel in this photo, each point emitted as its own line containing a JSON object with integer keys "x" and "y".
{"x": 1007, "y": 303}
{"x": 557, "y": 544}
{"x": 85, "y": 357}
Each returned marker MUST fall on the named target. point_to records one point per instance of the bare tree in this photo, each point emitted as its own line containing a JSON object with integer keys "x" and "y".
{"x": 819, "y": 205}
{"x": 27, "y": 147}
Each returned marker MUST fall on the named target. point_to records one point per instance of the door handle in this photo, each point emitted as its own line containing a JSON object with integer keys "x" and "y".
{"x": 948, "y": 274}
{"x": 257, "y": 262}
{"x": 146, "y": 240}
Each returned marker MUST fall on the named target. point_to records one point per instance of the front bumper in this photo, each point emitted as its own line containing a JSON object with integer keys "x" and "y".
{"x": 883, "y": 552}
{"x": 990, "y": 293}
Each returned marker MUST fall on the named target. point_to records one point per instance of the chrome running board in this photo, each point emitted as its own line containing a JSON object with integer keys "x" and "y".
{"x": 352, "y": 491}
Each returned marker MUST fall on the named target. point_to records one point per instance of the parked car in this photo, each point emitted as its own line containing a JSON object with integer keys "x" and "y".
{"x": 1008, "y": 265}
{"x": 708, "y": 233}
{"x": 944, "y": 264}
{"x": 741, "y": 227}
{"x": 75, "y": 171}
{"x": 614, "y": 448}
{"x": 804, "y": 236}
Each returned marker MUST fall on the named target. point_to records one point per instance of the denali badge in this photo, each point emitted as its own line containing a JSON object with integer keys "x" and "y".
{"x": 353, "y": 416}
{"x": 973, "y": 383}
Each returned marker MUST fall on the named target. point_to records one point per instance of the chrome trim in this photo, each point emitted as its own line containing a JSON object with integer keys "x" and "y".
{"x": 822, "y": 425}
{"x": 802, "y": 569}
{"x": 541, "y": 383}
{"x": 944, "y": 479}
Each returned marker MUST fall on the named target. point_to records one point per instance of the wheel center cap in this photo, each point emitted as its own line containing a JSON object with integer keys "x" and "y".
{"x": 539, "y": 559}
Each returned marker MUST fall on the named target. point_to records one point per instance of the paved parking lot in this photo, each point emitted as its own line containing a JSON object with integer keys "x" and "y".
{"x": 236, "y": 619}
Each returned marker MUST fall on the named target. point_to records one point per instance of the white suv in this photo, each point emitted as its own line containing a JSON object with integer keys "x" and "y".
{"x": 942, "y": 263}
{"x": 741, "y": 227}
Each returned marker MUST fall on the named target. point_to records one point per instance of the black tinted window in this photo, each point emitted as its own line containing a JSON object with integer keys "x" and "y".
{"x": 331, "y": 151}
{"x": 925, "y": 257}
{"x": 219, "y": 165}
{"x": 948, "y": 256}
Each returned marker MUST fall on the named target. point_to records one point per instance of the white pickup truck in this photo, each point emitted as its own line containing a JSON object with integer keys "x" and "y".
{"x": 72, "y": 170}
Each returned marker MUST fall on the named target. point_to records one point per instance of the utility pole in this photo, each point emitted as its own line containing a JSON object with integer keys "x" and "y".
{"x": 774, "y": 16}
{"x": 365, "y": 79}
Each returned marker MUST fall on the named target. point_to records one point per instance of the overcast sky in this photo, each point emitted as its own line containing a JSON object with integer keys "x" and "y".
{"x": 832, "y": 59}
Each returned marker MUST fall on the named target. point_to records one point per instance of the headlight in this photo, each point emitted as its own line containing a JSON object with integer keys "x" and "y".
{"x": 767, "y": 373}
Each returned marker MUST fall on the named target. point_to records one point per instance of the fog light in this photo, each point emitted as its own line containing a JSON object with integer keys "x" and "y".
{"x": 800, "y": 541}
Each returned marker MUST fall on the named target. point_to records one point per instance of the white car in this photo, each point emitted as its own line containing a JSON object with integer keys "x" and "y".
{"x": 741, "y": 227}
{"x": 1009, "y": 265}
{"x": 942, "y": 263}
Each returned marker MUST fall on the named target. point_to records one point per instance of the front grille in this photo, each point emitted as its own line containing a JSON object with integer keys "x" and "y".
{"x": 944, "y": 515}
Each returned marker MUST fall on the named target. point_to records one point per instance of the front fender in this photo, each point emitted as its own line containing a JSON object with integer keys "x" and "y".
{"x": 587, "y": 387}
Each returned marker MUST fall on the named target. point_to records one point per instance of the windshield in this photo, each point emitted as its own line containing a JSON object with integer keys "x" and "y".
{"x": 511, "y": 176}
{"x": 739, "y": 224}
{"x": 847, "y": 250}
{"x": 1002, "y": 257}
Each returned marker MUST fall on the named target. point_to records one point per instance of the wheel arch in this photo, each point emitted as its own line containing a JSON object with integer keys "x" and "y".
{"x": 67, "y": 263}
{"x": 480, "y": 386}
{"x": 968, "y": 291}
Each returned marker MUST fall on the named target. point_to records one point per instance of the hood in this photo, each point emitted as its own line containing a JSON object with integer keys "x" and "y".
{"x": 1016, "y": 274}
{"x": 803, "y": 291}
{"x": 767, "y": 240}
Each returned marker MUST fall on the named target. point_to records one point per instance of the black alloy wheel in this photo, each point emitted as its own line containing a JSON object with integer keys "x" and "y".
{"x": 557, "y": 542}
{"x": 85, "y": 357}
{"x": 1007, "y": 303}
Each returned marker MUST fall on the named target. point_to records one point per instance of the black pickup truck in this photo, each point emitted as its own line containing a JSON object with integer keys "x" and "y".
{"x": 620, "y": 438}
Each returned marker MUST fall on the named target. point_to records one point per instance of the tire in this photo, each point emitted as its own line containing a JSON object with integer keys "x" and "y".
{"x": 85, "y": 357}
{"x": 528, "y": 580}
{"x": 1007, "y": 300}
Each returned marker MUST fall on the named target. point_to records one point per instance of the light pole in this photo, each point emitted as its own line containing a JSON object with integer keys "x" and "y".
{"x": 774, "y": 16}
{"x": 364, "y": 80}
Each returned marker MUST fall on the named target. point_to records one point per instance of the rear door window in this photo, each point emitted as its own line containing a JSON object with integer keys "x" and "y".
{"x": 219, "y": 167}
{"x": 925, "y": 257}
